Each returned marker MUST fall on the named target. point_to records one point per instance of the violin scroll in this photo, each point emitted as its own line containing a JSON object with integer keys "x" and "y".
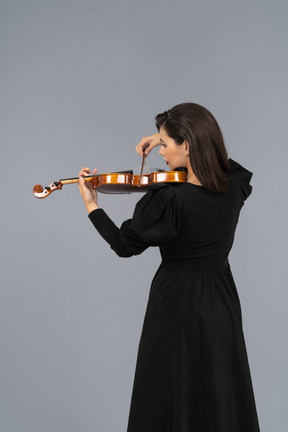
{"x": 40, "y": 192}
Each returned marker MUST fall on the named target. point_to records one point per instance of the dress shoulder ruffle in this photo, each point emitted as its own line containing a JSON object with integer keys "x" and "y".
{"x": 242, "y": 175}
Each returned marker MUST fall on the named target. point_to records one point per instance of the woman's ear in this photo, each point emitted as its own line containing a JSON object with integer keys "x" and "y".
{"x": 186, "y": 148}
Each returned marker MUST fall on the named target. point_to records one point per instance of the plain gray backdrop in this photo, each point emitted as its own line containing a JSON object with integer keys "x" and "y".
{"x": 81, "y": 83}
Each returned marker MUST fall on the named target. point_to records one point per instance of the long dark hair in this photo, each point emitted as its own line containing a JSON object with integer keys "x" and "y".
{"x": 207, "y": 152}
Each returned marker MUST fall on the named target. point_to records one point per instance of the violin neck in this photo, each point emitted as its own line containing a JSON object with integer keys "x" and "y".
{"x": 76, "y": 179}
{"x": 89, "y": 177}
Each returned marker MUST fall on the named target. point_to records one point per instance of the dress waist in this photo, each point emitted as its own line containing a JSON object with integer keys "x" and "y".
{"x": 190, "y": 268}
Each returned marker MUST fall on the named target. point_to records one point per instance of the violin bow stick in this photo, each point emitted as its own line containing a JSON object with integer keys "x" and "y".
{"x": 144, "y": 157}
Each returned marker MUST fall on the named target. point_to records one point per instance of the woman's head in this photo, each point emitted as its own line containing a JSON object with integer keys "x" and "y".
{"x": 195, "y": 126}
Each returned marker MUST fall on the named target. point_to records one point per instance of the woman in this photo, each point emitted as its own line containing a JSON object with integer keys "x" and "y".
{"x": 192, "y": 372}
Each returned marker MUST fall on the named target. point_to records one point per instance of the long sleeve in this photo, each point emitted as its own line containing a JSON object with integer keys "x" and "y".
{"x": 156, "y": 220}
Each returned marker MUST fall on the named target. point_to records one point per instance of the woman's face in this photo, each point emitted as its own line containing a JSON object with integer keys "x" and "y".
{"x": 175, "y": 155}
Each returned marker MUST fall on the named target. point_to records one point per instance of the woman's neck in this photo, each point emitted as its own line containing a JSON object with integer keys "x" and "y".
{"x": 192, "y": 177}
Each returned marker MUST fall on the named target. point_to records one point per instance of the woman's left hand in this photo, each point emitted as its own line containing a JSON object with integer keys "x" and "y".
{"x": 87, "y": 192}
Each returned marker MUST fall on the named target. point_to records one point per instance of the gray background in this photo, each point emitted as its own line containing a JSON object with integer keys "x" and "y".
{"x": 81, "y": 82}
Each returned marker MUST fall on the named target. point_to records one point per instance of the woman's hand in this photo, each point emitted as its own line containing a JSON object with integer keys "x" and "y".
{"x": 147, "y": 144}
{"x": 88, "y": 194}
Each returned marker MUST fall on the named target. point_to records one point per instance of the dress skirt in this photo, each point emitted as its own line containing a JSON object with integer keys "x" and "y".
{"x": 192, "y": 372}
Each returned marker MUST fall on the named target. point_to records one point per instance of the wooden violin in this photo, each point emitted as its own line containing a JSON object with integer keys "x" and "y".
{"x": 118, "y": 182}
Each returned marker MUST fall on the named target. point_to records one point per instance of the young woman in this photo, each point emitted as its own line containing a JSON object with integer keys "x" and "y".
{"x": 192, "y": 371}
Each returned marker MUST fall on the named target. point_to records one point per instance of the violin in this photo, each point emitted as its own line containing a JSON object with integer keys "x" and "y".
{"x": 117, "y": 182}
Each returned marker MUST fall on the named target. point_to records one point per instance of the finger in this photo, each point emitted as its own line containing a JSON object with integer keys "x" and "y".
{"x": 145, "y": 147}
{"x": 143, "y": 144}
{"x": 84, "y": 171}
{"x": 138, "y": 150}
{"x": 80, "y": 183}
{"x": 93, "y": 183}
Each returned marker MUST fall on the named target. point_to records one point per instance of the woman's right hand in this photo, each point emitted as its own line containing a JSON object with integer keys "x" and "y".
{"x": 147, "y": 144}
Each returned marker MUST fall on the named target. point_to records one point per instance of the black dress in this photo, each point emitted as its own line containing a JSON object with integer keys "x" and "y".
{"x": 192, "y": 372}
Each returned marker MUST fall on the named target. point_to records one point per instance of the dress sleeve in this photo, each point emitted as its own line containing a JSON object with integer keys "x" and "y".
{"x": 156, "y": 220}
{"x": 243, "y": 176}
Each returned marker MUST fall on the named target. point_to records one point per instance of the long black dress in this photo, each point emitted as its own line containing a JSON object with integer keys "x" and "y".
{"x": 192, "y": 372}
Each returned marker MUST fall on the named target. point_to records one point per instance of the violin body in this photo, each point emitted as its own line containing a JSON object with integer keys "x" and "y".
{"x": 117, "y": 183}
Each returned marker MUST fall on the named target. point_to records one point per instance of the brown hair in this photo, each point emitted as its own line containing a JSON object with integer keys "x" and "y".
{"x": 207, "y": 152}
